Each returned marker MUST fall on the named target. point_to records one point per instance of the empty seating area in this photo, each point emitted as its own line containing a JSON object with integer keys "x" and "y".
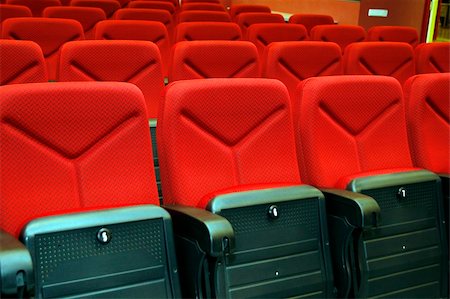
{"x": 185, "y": 149}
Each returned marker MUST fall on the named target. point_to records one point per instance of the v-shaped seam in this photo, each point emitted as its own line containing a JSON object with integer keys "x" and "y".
{"x": 436, "y": 65}
{"x": 20, "y": 72}
{"x": 400, "y": 66}
{"x": 437, "y": 111}
{"x": 242, "y": 68}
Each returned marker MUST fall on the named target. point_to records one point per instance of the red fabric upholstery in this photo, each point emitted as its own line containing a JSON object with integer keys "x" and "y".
{"x": 153, "y": 5}
{"x": 13, "y": 11}
{"x": 380, "y": 58}
{"x": 152, "y": 31}
{"x": 311, "y": 20}
{"x": 175, "y": 3}
{"x": 147, "y": 14}
{"x": 394, "y": 34}
{"x": 87, "y": 16}
{"x": 207, "y": 31}
{"x": 200, "y": 1}
{"x": 72, "y": 146}
{"x": 222, "y": 133}
{"x": 246, "y": 19}
{"x": 350, "y": 125}
{"x": 203, "y": 16}
{"x": 343, "y": 35}
{"x": 203, "y": 6}
{"x": 237, "y": 9}
{"x": 108, "y": 6}
{"x": 433, "y": 58}
{"x": 428, "y": 114}
{"x": 137, "y": 62}
{"x": 292, "y": 62}
{"x": 49, "y": 34}
{"x": 21, "y": 62}
{"x": 264, "y": 34}
{"x": 36, "y": 7}
{"x": 213, "y": 59}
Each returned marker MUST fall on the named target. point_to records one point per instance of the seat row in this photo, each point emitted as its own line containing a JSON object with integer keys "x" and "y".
{"x": 238, "y": 166}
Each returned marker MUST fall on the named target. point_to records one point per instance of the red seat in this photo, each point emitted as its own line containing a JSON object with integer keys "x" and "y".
{"x": 203, "y": 6}
{"x": 147, "y": 14}
{"x": 36, "y": 7}
{"x": 237, "y": 9}
{"x": 203, "y": 16}
{"x": 394, "y": 34}
{"x": 228, "y": 171}
{"x": 352, "y": 135}
{"x": 108, "y": 6}
{"x": 200, "y": 1}
{"x": 311, "y": 20}
{"x": 13, "y": 11}
{"x": 152, "y": 31}
{"x": 21, "y": 62}
{"x": 137, "y": 62}
{"x": 380, "y": 58}
{"x": 87, "y": 16}
{"x": 76, "y": 162}
{"x": 190, "y": 31}
{"x": 175, "y": 3}
{"x": 213, "y": 59}
{"x": 153, "y": 5}
{"x": 433, "y": 58}
{"x": 245, "y": 20}
{"x": 264, "y": 34}
{"x": 343, "y": 35}
{"x": 292, "y": 62}
{"x": 50, "y": 34}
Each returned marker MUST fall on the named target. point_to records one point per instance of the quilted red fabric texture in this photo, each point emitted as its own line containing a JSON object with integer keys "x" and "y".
{"x": 13, "y": 11}
{"x": 237, "y": 9}
{"x": 21, "y": 62}
{"x": 428, "y": 112}
{"x": 108, "y": 6}
{"x": 137, "y": 62}
{"x": 394, "y": 59}
{"x": 245, "y": 20}
{"x": 50, "y": 34}
{"x": 394, "y": 34}
{"x": 433, "y": 58}
{"x": 190, "y": 31}
{"x": 36, "y": 7}
{"x": 203, "y": 6}
{"x": 72, "y": 146}
{"x": 153, "y": 5}
{"x": 343, "y": 35}
{"x": 214, "y": 59}
{"x": 311, "y": 20}
{"x": 349, "y": 125}
{"x": 220, "y": 133}
{"x": 203, "y": 16}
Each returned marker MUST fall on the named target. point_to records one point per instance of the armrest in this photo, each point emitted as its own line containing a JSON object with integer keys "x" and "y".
{"x": 16, "y": 267}
{"x": 360, "y": 210}
{"x": 213, "y": 233}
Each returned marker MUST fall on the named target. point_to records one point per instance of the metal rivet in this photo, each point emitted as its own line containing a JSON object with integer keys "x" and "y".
{"x": 277, "y": 273}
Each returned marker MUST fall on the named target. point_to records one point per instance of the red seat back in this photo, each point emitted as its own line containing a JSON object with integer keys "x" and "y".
{"x": 87, "y": 16}
{"x": 190, "y": 31}
{"x": 146, "y": 14}
{"x": 349, "y": 125}
{"x": 245, "y": 20}
{"x": 164, "y": 5}
{"x": 343, "y": 35}
{"x": 433, "y": 58}
{"x": 203, "y": 16}
{"x": 72, "y": 146}
{"x": 264, "y": 34}
{"x": 50, "y": 34}
{"x": 237, "y": 9}
{"x": 311, "y": 20}
{"x": 200, "y": 1}
{"x": 222, "y": 133}
{"x": 428, "y": 114}
{"x": 108, "y": 6}
{"x": 137, "y": 62}
{"x": 213, "y": 59}
{"x": 36, "y": 7}
{"x": 13, "y": 11}
{"x": 380, "y": 58}
{"x": 394, "y": 34}
{"x": 21, "y": 62}
{"x": 203, "y": 6}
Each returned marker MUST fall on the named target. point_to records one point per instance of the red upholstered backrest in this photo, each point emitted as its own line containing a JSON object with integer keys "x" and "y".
{"x": 213, "y": 59}
{"x": 21, "y": 62}
{"x": 428, "y": 114}
{"x": 108, "y": 6}
{"x": 153, "y": 5}
{"x": 72, "y": 146}
{"x": 221, "y": 133}
{"x": 147, "y": 14}
{"x": 433, "y": 58}
{"x": 190, "y": 31}
{"x": 201, "y": 1}
{"x": 50, "y": 34}
{"x": 394, "y": 34}
{"x": 264, "y": 34}
{"x": 343, "y": 35}
{"x": 203, "y": 16}
{"x": 246, "y": 19}
{"x": 36, "y": 7}
{"x": 203, "y": 6}
{"x": 237, "y": 9}
{"x": 13, "y": 11}
{"x": 349, "y": 125}
{"x": 152, "y": 31}
{"x": 311, "y": 20}
{"x": 87, "y": 16}
{"x": 380, "y": 58}
{"x": 292, "y": 62}
{"x": 137, "y": 62}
